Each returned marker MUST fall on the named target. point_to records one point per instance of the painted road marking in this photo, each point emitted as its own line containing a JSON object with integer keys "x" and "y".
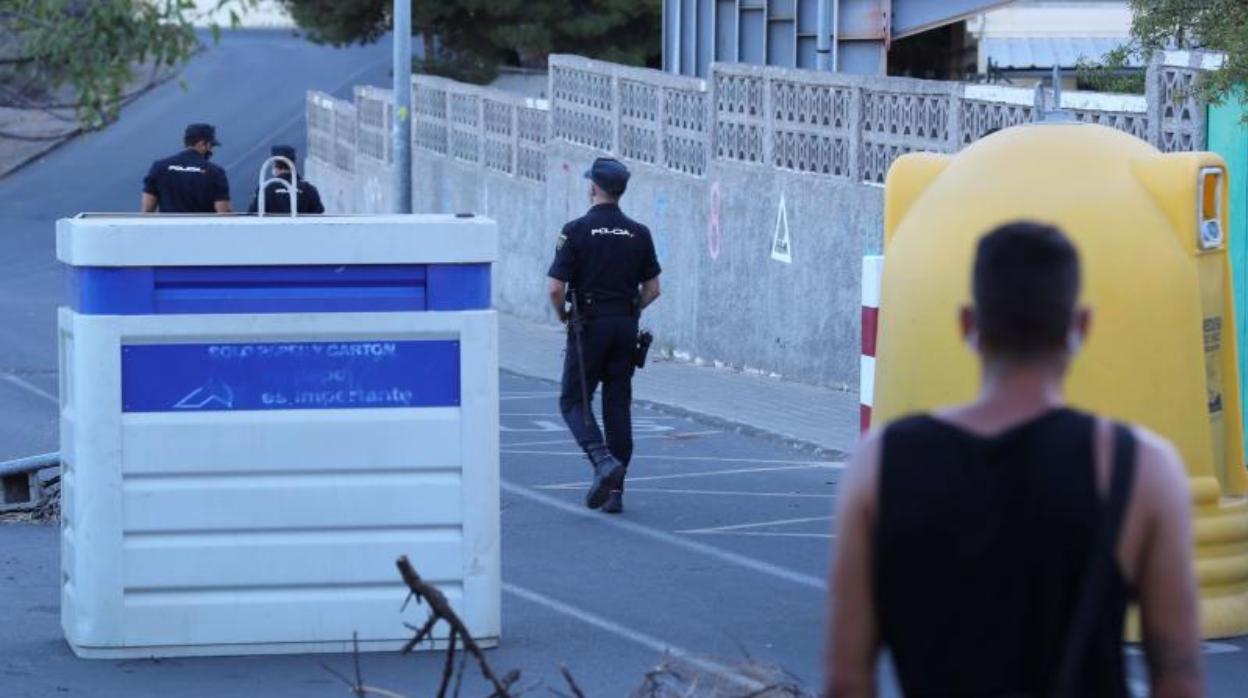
{"x": 562, "y": 442}
{"x": 351, "y": 80}
{"x": 32, "y": 388}
{"x": 527, "y": 395}
{"x": 742, "y": 561}
{"x": 542, "y": 426}
{"x": 723, "y": 493}
{"x": 764, "y": 534}
{"x": 704, "y": 473}
{"x": 831, "y": 465}
{"x": 648, "y": 641}
{"x": 556, "y": 415}
{"x": 760, "y": 524}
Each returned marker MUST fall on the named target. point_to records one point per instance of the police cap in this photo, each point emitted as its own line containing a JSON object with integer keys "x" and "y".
{"x": 284, "y": 151}
{"x": 610, "y": 175}
{"x": 200, "y": 132}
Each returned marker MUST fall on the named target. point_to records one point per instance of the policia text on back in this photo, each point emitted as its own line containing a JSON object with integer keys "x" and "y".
{"x": 605, "y": 265}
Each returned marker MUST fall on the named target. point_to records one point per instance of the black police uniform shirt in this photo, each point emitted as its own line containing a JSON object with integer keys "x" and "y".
{"x": 605, "y": 255}
{"x": 277, "y": 199}
{"x": 186, "y": 183}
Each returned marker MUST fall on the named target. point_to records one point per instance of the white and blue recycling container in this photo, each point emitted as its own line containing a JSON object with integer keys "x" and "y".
{"x": 259, "y": 415}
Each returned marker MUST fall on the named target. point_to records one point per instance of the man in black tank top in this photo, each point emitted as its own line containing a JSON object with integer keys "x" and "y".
{"x": 992, "y": 548}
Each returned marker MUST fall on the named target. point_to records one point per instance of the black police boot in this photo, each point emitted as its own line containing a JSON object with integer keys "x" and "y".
{"x": 608, "y": 475}
{"x": 615, "y": 502}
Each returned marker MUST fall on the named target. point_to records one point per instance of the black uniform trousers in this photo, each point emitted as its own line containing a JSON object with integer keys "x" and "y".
{"x": 609, "y": 344}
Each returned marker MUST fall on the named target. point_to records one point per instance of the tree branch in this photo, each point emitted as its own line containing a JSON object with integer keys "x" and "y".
{"x": 40, "y": 139}
{"x": 440, "y": 609}
{"x": 21, "y": 60}
{"x": 567, "y": 676}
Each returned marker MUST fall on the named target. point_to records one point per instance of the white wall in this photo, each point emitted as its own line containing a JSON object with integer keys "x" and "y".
{"x": 1054, "y": 18}
{"x": 268, "y": 14}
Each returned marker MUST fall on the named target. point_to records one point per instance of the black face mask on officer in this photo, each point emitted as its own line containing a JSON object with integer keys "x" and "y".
{"x": 204, "y": 148}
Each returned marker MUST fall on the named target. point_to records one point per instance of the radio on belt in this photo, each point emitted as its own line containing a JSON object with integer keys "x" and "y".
{"x": 259, "y": 415}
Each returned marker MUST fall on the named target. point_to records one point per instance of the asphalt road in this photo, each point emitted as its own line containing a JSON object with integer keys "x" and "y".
{"x": 606, "y": 598}
{"x": 721, "y": 553}
{"x": 252, "y": 87}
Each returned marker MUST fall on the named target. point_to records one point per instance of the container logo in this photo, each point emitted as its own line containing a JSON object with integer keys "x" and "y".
{"x": 289, "y": 376}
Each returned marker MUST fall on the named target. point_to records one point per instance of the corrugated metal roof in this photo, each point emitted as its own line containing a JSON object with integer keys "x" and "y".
{"x": 1022, "y": 53}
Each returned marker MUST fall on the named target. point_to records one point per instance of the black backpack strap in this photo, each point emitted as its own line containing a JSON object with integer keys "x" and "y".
{"x": 1101, "y": 561}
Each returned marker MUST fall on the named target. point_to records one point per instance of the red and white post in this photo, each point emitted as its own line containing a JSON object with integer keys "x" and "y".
{"x": 872, "y": 277}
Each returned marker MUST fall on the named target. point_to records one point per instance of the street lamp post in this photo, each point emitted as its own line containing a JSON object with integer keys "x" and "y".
{"x": 402, "y": 126}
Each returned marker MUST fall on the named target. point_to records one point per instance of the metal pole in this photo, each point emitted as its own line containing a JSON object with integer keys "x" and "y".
{"x": 29, "y": 465}
{"x": 1057, "y": 87}
{"x": 402, "y": 106}
{"x": 825, "y": 60}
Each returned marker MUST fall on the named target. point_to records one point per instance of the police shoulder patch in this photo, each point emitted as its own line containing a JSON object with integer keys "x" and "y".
{"x": 559, "y": 243}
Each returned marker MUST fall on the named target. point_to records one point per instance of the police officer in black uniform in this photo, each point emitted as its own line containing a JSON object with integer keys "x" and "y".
{"x": 277, "y": 196}
{"x": 187, "y": 182}
{"x": 604, "y": 263}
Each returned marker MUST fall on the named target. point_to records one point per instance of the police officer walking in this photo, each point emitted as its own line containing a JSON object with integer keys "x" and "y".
{"x": 187, "y": 182}
{"x": 605, "y": 264}
{"x": 277, "y": 196}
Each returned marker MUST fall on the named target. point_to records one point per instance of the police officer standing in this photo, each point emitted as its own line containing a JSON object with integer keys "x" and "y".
{"x": 277, "y": 196}
{"x": 605, "y": 264}
{"x": 187, "y": 182}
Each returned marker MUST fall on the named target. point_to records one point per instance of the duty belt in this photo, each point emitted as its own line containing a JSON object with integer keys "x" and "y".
{"x": 608, "y": 308}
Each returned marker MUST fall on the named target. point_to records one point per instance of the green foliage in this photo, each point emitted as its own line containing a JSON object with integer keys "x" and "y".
{"x": 341, "y": 23}
{"x": 1100, "y": 77}
{"x": 463, "y": 68}
{"x": 1216, "y": 25}
{"x": 91, "y": 46}
{"x": 472, "y": 37}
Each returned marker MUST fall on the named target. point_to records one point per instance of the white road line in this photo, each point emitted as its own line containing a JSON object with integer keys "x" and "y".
{"x": 764, "y": 534}
{"x": 749, "y": 563}
{"x": 525, "y": 396}
{"x": 760, "y": 524}
{"x": 648, "y": 641}
{"x": 529, "y": 393}
{"x": 648, "y": 417}
{"x": 351, "y": 80}
{"x": 32, "y": 388}
{"x": 675, "y": 436}
{"x": 831, "y": 465}
{"x": 722, "y": 493}
{"x": 704, "y": 473}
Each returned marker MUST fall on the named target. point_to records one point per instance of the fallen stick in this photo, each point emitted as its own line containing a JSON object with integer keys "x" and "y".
{"x": 440, "y": 609}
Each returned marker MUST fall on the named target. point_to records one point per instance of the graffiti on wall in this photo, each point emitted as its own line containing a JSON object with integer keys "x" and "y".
{"x": 714, "y": 238}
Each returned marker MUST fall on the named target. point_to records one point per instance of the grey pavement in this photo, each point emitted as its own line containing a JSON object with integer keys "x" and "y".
{"x": 692, "y": 567}
{"x": 721, "y": 554}
{"x": 722, "y": 551}
{"x": 804, "y": 415}
{"x": 252, "y": 86}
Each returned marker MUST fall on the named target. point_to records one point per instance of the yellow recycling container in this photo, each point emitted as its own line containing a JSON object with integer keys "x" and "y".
{"x": 1150, "y": 228}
